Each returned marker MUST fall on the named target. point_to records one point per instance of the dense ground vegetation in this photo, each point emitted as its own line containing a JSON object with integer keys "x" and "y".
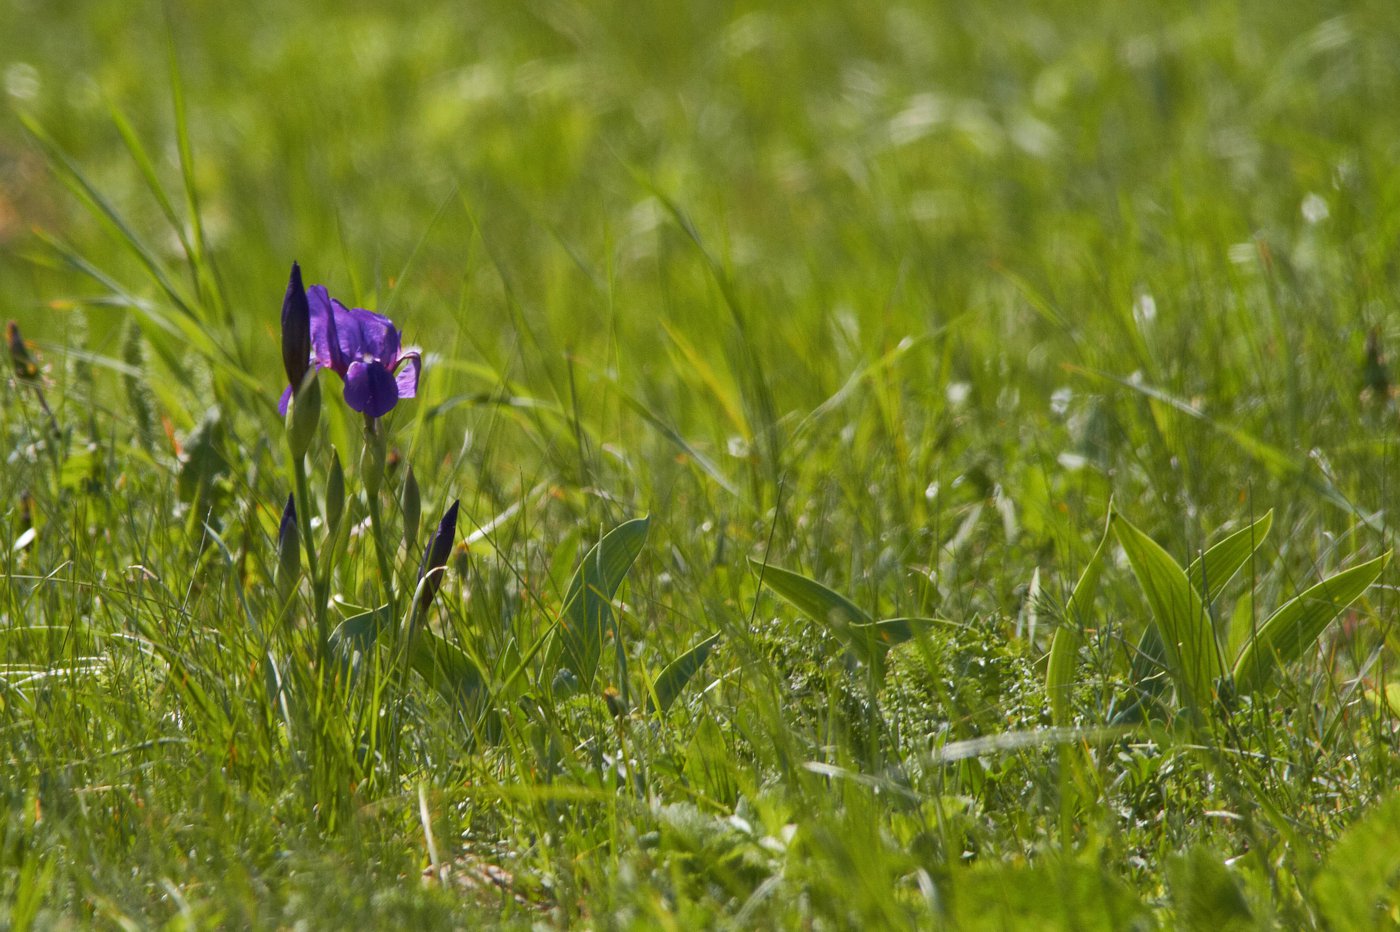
{"x": 904, "y": 300}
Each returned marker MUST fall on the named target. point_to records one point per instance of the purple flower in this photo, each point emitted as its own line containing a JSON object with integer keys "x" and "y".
{"x": 364, "y": 349}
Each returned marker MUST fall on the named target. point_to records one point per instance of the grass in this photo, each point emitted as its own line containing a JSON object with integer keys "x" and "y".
{"x": 901, "y": 299}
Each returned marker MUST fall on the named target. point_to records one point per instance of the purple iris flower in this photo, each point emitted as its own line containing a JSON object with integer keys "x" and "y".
{"x": 364, "y": 349}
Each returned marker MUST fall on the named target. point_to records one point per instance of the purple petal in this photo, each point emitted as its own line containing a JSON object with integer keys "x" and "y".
{"x": 325, "y": 337}
{"x": 347, "y": 332}
{"x": 378, "y": 337}
{"x": 286, "y": 399}
{"x": 370, "y": 388}
{"x": 407, "y": 367}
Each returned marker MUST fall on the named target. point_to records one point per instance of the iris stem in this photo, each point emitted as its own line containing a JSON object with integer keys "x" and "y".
{"x": 382, "y": 550}
{"x": 318, "y": 581}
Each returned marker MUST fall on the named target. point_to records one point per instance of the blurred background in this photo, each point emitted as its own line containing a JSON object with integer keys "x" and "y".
{"x": 1203, "y": 194}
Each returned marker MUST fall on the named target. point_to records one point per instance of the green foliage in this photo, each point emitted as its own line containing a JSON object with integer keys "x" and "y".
{"x": 1053, "y": 896}
{"x": 1207, "y": 898}
{"x": 1183, "y": 636}
{"x": 672, "y": 680}
{"x": 867, "y": 638}
{"x": 1188, "y": 637}
{"x": 905, "y": 295}
{"x": 1359, "y": 885}
{"x": 1295, "y": 626}
{"x": 587, "y": 616}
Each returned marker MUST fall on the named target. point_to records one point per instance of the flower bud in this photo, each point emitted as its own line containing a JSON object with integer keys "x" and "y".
{"x": 296, "y": 331}
{"x": 435, "y": 557}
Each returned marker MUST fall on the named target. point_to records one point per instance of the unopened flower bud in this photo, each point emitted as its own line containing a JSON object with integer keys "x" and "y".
{"x": 435, "y": 557}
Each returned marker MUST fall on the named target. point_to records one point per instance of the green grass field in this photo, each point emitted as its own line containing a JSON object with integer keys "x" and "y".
{"x": 1004, "y": 387}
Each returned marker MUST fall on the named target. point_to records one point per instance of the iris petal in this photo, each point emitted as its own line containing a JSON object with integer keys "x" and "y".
{"x": 286, "y": 400}
{"x": 325, "y": 337}
{"x": 347, "y": 331}
{"x": 406, "y": 378}
{"x": 370, "y": 388}
{"x": 378, "y": 337}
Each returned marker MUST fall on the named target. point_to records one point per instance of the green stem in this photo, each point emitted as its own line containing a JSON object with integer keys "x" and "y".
{"x": 318, "y": 579}
{"x": 382, "y": 550}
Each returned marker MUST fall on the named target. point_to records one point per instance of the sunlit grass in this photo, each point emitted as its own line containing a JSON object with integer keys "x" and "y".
{"x": 900, "y": 300}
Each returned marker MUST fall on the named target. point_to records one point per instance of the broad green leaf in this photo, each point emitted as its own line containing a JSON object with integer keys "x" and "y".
{"x": 359, "y": 632}
{"x": 447, "y": 668}
{"x": 1241, "y": 626}
{"x": 1193, "y": 658}
{"x": 811, "y": 597}
{"x": 1064, "y": 649}
{"x": 1357, "y": 888}
{"x": 678, "y": 672}
{"x": 817, "y": 602}
{"x": 1290, "y": 631}
{"x": 871, "y": 641}
{"x": 587, "y": 613}
{"x": 444, "y": 665}
{"x": 888, "y": 632}
{"x": 1211, "y": 571}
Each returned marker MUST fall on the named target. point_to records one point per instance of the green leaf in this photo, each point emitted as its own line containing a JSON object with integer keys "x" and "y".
{"x": 1206, "y": 894}
{"x": 678, "y": 672}
{"x": 1193, "y": 657}
{"x": 1291, "y": 630}
{"x": 1357, "y": 885}
{"x": 447, "y": 668}
{"x": 1212, "y": 571}
{"x": 587, "y": 613}
{"x": 1241, "y": 626}
{"x": 886, "y": 633}
{"x": 1050, "y": 895}
{"x": 1064, "y": 649}
{"x": 359, "y": 632}
{"x": 818, "y": 602}
{"x": 1209, "y": 573}
{"x": 444, "y": 665}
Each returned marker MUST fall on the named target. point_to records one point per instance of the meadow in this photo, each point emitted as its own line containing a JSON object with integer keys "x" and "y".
{"x": 869, "y": 465}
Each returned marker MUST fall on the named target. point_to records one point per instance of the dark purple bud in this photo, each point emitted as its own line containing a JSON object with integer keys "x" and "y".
{"x": 435, "y": 557}
{"x": 296, "y": 331}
